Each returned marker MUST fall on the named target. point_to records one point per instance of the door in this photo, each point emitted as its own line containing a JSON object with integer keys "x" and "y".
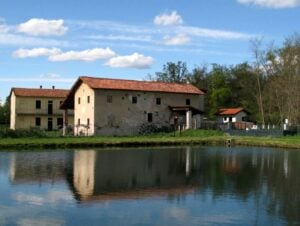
{"x": 50, "y": 124}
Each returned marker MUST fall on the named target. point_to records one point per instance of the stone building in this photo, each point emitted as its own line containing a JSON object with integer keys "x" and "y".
{"x": 38, "y": 108}
{"x": 122, "y": 107}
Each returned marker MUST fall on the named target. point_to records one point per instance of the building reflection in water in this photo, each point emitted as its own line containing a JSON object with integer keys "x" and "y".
{"x": 39, "y": 167}
{"x": 117, "y": 174}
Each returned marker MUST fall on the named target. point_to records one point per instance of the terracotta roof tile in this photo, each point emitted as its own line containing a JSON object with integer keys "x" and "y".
{"x": 27, "y": 92}
{"x": 229, "y": 111}
{"x": 148, "y": 86}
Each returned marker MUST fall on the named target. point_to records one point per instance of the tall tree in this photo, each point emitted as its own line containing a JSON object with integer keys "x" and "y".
{"x": 172, "y": 72}
{"x": 219, "y": 92}
{"x": 4, "y": 113}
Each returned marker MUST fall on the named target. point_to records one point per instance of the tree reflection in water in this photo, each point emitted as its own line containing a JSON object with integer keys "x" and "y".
{"x": 267, "y": 177}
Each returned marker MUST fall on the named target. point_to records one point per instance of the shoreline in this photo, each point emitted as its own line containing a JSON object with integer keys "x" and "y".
{"x": 56, "y": 143}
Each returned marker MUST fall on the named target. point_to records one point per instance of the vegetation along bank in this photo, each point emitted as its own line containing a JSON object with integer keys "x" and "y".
{"x": 36, "y": 140}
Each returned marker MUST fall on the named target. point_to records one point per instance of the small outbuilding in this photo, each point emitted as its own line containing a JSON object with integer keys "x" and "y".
{"x": 232, "y": 115}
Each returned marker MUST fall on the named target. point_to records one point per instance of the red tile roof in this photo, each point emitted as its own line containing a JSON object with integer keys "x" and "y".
{"x": 229, "y": 111}
{"x": 27, "y": 92}
{"x": 148, "y": 86}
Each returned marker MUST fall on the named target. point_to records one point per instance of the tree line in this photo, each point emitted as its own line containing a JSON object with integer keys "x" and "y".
{"x": 268, "y": 88}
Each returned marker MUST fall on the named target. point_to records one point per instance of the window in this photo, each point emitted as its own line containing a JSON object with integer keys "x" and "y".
{"x": 109, "y": 99}
{"x": 149, "y": 117}
{"x": 60, "y": 102}
{"x": 88, "y": 122}
{"x": 50, "y": 125}
{"x": 78, "y": 121}
{"x": 50, "y": 107}
{"x": 60, "y": 122}
{"x": 134, "y": 99}
{"x": 158, "y": 101}
{"x": 37, "y": 121}
{"x": 88, "y": 99}
{"x": 38, "y": 104}
{"x": 225, "y": 118}
{"x": 187, "y": 101}
{"x": 230, "y": 119}
{"x": 78, "y": 100}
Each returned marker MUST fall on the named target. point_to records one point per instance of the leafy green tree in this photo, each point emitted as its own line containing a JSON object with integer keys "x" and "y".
{"x": 5, "y": 113}
{"x": 172, "y": 72}
{"x": 219, "y": 92}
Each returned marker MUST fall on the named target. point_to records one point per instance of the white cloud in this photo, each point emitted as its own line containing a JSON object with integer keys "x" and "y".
{"x": 21, "y": 40}
{"x": 36, "y": 52}
{"x": 42, "y": 27}
{"x": 50, "y": 76}
{"x": 168, "y": 19}
{"x": 135, "y": 60}
{"x": 85, "y": 55}
{"x": 140, "y": 38}
{"x": 272, "y": 3}
{"x": 212, "y": 33}
{"x": 179, "y": 39}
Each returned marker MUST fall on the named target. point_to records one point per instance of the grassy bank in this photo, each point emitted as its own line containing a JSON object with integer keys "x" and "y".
{"x": 192, "y": 137}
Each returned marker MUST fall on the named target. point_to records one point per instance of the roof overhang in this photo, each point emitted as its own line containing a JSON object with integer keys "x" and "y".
{"x": 183, "y": 109}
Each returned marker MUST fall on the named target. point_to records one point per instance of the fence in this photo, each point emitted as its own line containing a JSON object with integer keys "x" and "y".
{"x": 251, "y": 129}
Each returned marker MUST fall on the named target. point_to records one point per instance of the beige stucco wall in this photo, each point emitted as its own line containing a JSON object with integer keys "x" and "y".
{"x": 84, "y": 111}
{"x": 13, "y": 111}
{"x": 24, "y": 112}
{"x": 122, "y": 117}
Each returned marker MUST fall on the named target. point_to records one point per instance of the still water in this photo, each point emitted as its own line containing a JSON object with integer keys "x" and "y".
{"x": 157, "y": 186}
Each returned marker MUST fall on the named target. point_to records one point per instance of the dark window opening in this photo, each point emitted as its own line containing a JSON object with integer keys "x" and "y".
{"x": 50, "y": 125}
{"x": 230, "y": 119}
{"x": 109, "y": 99}
{"x": 187, "y": 101}
{"x": 134, "y": 99}
{"x": 38, "y": 104}
{"x": 88, "y": 122}
{"x": 88, "y": 99}
{"x": 78, "y": 121}
{"x": 38, "y": 121}
{"x": 149, "y": 117}
{"x": 158, "y": 101}
{"x": 78, "y": 100}
{"x": 60, "y": 122}
{"x": 50, "y": 107}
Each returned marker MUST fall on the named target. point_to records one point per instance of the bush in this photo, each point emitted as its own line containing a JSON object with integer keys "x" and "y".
{"x": 146, "y": 129}
{"x": 32, "y": 132}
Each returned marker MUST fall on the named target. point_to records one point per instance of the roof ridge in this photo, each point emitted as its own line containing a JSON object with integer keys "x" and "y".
{"x": 133, "y": 80}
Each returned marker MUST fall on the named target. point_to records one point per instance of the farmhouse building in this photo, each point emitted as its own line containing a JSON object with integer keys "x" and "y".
{"x": 227, "y": 115}
{"x": 37, "y": 108}
{"x": 122, "y": 107}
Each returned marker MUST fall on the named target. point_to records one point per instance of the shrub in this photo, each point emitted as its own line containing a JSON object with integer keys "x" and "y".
{"x": 32, "y": 132}
{"x": 146, "y": 129}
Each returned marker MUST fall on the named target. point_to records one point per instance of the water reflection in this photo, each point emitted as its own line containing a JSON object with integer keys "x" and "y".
{"x": 132, "y": 174}
{"x": 264, "y": 182}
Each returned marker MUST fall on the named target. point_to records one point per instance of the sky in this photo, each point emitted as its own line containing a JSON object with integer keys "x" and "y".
{"x": 54, "y": 42}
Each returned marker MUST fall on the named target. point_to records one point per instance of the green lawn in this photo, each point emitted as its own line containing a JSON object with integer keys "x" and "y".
{"x": 200, "y": 137}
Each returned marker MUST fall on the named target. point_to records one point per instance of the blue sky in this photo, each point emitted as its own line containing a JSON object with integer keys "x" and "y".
{"x": 53, "y": 42}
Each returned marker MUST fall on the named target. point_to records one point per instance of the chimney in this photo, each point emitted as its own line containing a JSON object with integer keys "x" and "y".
{"x": 53, "y": 87}
{"x": 41, "y": 87}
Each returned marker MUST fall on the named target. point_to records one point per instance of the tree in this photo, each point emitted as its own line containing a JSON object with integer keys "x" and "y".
{"x": 5, "y": 113}
{"x": 172, "y": 72}
{"x": 219, "y": 92}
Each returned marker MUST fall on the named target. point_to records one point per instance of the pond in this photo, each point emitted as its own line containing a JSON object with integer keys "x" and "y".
{"x": 151, "y": 186}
